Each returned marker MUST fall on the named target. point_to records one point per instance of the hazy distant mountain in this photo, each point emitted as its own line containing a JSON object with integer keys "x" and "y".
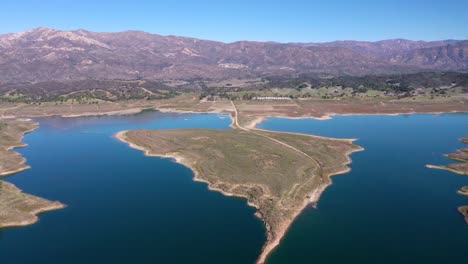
{"x": 46, "y": 54}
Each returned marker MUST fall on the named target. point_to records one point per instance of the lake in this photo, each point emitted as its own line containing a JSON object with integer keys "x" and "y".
{"x": 124, "y": 207}
{"x": 390, "y": 208}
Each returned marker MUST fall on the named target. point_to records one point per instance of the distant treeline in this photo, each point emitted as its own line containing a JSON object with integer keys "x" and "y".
{"x": 401, "y": 85}
{"x": 390, "y": 83}
{"x": 92, "y": 91}
{"x": 84, "y": 90}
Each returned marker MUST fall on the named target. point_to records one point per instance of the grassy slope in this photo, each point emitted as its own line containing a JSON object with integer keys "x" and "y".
{"x": 276, "y": 179}
{"x": 11, "y": 133}
{"x": 17, "y": 208}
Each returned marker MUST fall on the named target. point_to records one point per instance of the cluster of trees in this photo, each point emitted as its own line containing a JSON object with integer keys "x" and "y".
{"x": 85, "y": 91}
{"x": 401, "y": 83}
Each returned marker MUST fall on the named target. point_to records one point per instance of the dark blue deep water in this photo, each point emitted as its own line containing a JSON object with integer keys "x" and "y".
{"x": 390, "y": 208}
{"x": 124, "y": 207}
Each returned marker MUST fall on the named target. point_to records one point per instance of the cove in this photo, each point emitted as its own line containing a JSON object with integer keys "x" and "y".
{"x": 124, "y": 207}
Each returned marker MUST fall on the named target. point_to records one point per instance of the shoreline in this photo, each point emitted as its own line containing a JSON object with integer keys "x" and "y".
{"x": 35, "y": 217}
{"x": 54, "y": 205}
{"x": 463, "y": 191}
{"x": 20, "y": 144}
{"x": 11, "y": 172}
{"x": 260, "y": 119}
{"x": 446, "y": 168}
{"x": 271, "y": 243}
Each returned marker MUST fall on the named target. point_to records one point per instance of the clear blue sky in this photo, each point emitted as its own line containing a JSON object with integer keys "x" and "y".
{"x": 232, "y": 20}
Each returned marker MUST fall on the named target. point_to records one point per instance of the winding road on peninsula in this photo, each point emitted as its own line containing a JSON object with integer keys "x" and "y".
{"x": 236, "y": 125}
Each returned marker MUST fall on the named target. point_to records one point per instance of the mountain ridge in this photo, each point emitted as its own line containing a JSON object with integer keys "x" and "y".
{"x": 44, "y": 54}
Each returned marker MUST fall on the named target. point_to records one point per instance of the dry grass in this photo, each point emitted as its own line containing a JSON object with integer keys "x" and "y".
{"x": 11, "y": 134}
{"x": 274, "y": 177}
{"x": 459, "y": 168}
{"x": 461, "y": 157}
{"x": 17, "y": 208}
{"x": 464, "y": 211}
{"x": 189, "y": 102}
{"x": 313, "y": 108}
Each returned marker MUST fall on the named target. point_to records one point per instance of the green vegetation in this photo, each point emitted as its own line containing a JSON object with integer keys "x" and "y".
{"x": 85, "y": 91}
{"x": 418, "y": 86}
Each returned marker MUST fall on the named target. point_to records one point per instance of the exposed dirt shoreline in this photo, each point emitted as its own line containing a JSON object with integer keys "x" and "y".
{"x": 33, "y": 214}
{"x": 313, "y": 200}
{"x": 447, "y": 169}
{"x": 259, "y": 117}
{"x": 272, "y": 242}
{"x": 463, "y": 191}
{"x": 21, "y": 166}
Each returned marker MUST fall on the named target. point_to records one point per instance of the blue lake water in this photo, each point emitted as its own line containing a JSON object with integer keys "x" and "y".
{"x": 390, "y": 208}
{"x": 124, "y": 207}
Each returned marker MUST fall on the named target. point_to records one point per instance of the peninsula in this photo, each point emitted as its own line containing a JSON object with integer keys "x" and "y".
{"x": 277, "y": 173}
{"x": 464, "y": 211}
{"x": 460, "y": 168}
{"x": 17, "y": 208}
{"x": 463, "y": 190}
{"x": 461, "y": 156}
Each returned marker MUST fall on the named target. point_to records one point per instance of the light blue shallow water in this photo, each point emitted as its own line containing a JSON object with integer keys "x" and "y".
{"x": 124, "y": 207}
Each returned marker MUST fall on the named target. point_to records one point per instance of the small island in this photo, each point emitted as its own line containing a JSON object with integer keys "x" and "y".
{"x": 16, "y": 207}
{"x": 278, "y": 173}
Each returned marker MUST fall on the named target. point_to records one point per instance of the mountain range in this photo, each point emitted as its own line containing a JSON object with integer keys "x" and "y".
{"x": 44, "y": 54}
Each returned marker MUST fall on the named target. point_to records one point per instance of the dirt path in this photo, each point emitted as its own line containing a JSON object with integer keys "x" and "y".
{"x": 236, "y": 125}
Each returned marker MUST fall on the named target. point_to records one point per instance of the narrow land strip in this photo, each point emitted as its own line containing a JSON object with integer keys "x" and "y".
{"x": 16, "y": 207}
{"x": 277, "y": 173}
{"x": 459, "y": 168}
